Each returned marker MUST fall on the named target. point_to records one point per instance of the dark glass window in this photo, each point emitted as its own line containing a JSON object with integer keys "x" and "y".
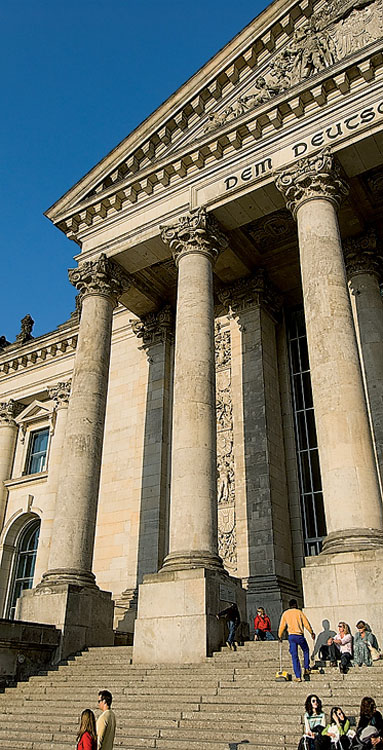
{"x": 37, "y": 453}
{"x": 25, "y": 563}
{"x": 313, "y": 519}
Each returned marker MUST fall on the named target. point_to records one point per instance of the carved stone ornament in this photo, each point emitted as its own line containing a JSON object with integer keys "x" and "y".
{"x": 60, "y": 393}
{"x": 197, "y": 232}
{"x": 362, "y": 255}
{"x": 9, "y": 410}
{"x": 155, "y": 328}
{"x": 25, "y": 334}
{"x": 312, "y": 177}
{"x": 333, "y": 32}
{"x": 4, "y": 343}
{"x": 100, "y": 277}
{"x": 251, "y": 291}
{"x": 222, "y": 347}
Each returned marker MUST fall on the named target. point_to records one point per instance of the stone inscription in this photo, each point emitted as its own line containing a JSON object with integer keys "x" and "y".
{"x": 327, "y": 135}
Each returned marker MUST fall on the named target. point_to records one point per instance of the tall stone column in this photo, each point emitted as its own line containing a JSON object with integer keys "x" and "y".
{"x": 264, "y": 544}
{"x": 364, "y": 266}
{"x": 187, "y": 590}
{"x": 59, "y": 394}
{"x": 100, "y": 283}
{"x": 8, "y": 434}
{"x": 313, "y": 189}
{"x": 193, "y": 535}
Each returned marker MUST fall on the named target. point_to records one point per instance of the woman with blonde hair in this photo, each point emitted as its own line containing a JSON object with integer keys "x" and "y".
{"x": 339, "y": 648}
{"x": 262, "y": 626}
{"x": 87, "y": 735}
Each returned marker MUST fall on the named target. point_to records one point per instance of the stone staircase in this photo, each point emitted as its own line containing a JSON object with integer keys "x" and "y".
{"x": 230, "y": 700}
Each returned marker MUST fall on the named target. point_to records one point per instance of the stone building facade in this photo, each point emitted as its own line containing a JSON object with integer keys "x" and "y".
{"x": 208, "y": 424}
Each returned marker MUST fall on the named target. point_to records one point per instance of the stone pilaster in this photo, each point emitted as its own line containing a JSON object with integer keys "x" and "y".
{"x": 100, "y": 284}
{"x": 364, "y": 265}
{"x": 192, "y": 585}
{"x": 156, "y": 332}
{"x": 8, "y": 434}
{"x": 313, "y": 189}
{"x": 264, "y": 547}
{"x": 59, "y": 394}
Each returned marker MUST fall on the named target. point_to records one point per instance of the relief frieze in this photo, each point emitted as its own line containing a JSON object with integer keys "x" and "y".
{"x": 333, "y": 33}
{"x": 225, "y": 449}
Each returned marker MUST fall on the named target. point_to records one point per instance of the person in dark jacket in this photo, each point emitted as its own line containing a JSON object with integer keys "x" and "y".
{"x": 233, "y": 619}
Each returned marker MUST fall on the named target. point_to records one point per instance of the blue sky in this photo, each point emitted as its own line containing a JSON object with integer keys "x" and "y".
{"x": 78, "y": 76}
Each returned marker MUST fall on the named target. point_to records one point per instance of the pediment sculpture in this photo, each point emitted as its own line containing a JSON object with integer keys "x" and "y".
{"x": 331, "y": 34}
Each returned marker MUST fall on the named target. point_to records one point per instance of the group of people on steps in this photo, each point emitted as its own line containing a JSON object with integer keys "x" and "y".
{"x": 337, "y": 733}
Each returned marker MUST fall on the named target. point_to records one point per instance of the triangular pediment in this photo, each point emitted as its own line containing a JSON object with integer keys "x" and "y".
{"x": 35, "y": 411}
{"x": 287, "y": 46}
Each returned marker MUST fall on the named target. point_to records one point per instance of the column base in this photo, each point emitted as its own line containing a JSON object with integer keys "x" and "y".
{"x": 191, "y": 560}
{"x": 83, "y": 614}
{"x": 346, "y": 586}
{"x": 352, "y": 540}
{"x": 176, "y": 621}
{"x": 57, "y": 576}
{"x": 271, "y": 592}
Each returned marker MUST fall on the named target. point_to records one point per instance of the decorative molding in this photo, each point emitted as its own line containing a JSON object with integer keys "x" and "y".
{"x": 361, "y": 254}
{"x": 25, "y": 334}
{"x": 4, "y": 343}
{"x": 39, "y": 353}
{"x": 9, "y": 410}
{"x": 237, "y": 133}
{"x": 155, "y": 328}
{"x": 277, "y": 228}
{"x": 60, "y": 394}
{"x": 311, "y": 178}
{"x": 101, "y": 277}
{"x": 197, "y": 232}
{"x": 251, "y": 291}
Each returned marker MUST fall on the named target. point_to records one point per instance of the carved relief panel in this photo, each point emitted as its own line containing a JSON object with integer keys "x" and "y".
{"x": 227, "y": 546}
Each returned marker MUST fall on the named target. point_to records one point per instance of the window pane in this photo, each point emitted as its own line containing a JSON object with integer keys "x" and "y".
{"x": 25, "y": 563}
{"x": 313, "y": 518}
{"x": 38, "y": 446}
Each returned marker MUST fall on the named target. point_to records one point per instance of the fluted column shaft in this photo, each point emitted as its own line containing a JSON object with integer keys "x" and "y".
{"x": 8, "y": 434}
{"x": 100, "y": 283}
{"x": 195, "y": 241}
{"x": 364, "y": 265}
{"x": 350, "y": 486}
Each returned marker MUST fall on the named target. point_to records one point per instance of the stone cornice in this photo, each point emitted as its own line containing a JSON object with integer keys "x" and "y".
{"x": 362, "y": 254}
{"x": 38, "y": 351}
{"x": 102, "y": 277}
{"x": 310, "y": 178}
{"x": 251, "y": 291}
{"x": 221, "y": 74}
{"x": 268, "y": 118}
{"x": 155, "y": 328}
{"x": 196, "y": 232}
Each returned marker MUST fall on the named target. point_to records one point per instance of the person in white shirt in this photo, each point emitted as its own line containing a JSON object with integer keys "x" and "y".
{"x": 340, "y": 648}
{"x": 106, "y": 722}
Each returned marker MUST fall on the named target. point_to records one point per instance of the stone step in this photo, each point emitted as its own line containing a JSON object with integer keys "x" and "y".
{"x": 242, "y": 739}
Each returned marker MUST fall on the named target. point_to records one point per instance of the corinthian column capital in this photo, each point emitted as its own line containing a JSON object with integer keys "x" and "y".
{"x": 9, "y": 411}
{"x": 60, "y": 393}
{"x": 99, "y": 277}
{"x": 155, "y": 328}
{"x": 252, "y": 291}
{"x": 362, "y": 254}
{"x": 311, "y": 178}
{"x": 197, "y": 232}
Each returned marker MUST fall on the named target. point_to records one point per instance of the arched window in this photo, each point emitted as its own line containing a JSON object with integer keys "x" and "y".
{"x": 24, "y": 563}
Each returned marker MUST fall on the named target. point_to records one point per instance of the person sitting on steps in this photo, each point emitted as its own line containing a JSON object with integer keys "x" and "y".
{"x": 262, "y": 626}
{"x": 339, "y": 648}
{"x": 314, "y": 722}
